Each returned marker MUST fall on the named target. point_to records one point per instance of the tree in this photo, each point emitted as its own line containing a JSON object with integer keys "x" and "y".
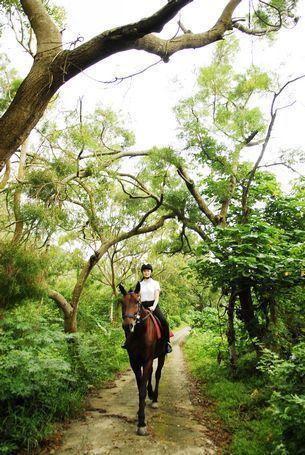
{"x": 53, "y": 65}
{"x": 74, "y": 188}
{"x": 246, "y": 255}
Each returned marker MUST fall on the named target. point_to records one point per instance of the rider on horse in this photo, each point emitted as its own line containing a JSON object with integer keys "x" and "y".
{"x": 149, "y": 292}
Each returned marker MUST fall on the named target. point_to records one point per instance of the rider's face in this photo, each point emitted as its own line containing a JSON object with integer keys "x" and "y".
{"x": 146, "y": 273}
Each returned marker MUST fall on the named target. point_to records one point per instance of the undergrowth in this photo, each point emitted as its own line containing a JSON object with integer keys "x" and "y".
{"x": 46, "y": 374}
{"x": 242, "y": 404}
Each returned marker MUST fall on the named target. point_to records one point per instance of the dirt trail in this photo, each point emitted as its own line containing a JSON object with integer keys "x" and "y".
{"x": 110, "y": 423}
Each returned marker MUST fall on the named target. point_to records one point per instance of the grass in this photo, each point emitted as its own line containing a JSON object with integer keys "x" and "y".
{"x": 239, "y": 403}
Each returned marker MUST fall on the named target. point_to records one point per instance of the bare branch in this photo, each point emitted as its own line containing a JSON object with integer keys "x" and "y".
{"x": 273, "y": 113}
{"x": 191, "y": 225}
{"x": 196, "y": 195}
{"x": 119, "y": 79}
{"x": 139, "y": 185}
{"x": 132, "y": 196}
{"x": 281, "y": 163}
{"x": 166, "y": 48}
{"x": 253, "y": 31}
{"x": 119, "y": 39}
{"x": 253, "y": 170}
{"x": 184, "y": 29}
{"x": 61, "y": 302}
{"x": 6, "y": 175}
{"x": 277, "y": 94}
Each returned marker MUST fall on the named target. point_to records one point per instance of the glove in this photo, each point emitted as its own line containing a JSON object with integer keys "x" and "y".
{"x": 152, "y": 308}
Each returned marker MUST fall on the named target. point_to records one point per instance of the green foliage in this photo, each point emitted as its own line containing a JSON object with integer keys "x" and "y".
{"x": 261, "y": 253}
{"x": 22, "y": 274}
{"x": 207, "y": 319}
{"x": 287, "y": 402}
{"x": 45, "y": 374}
{"x": 241, "y": 404}
{"x": 178, "y": 293}
{"x": 221, "y": 111}
{"x": 219, "y": 120}
{"x": 36, "y": 380}
{"x": 274, "y": 14}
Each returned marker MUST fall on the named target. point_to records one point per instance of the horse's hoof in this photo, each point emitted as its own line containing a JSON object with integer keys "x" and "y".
{"x": 154, "y": 405}
{"x": 142, "y": 431}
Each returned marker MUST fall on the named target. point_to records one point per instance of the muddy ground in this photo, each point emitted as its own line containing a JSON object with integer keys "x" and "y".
{"x": 109, "y": 425}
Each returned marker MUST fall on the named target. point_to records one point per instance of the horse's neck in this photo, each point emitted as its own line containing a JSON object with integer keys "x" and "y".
{"x": 145, "y": 324}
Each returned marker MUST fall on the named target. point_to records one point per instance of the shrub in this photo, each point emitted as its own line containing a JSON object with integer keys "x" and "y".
{"x": 240, "y": 403}
{"x": 45, "y": 373}
{"x": 287, "y": 403}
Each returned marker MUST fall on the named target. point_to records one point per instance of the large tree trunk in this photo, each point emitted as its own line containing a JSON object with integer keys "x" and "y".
{"x": 248, "y": 315}
{"x": 70, "y": 322}
{"x": 231, "y": 332}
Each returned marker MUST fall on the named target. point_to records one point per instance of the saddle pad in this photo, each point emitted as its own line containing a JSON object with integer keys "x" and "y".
{"x": 157, "y": 326}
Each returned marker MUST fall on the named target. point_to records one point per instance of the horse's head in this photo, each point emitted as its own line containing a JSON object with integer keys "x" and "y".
{"x": 130, "y": 308}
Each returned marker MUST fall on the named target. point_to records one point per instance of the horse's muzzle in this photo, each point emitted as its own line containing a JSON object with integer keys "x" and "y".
{"x": 129, "y": 326}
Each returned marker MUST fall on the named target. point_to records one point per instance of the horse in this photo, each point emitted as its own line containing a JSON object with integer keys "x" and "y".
{"x": 143, "y": 347}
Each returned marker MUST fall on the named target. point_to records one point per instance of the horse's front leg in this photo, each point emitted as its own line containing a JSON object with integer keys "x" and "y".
{"x": 161, "y": 361}
{"x": 142, "y": 431}
{"x": 136, "y": 367}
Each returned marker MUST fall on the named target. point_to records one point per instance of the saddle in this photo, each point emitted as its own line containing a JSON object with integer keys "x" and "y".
{"x": 158, "y": 327}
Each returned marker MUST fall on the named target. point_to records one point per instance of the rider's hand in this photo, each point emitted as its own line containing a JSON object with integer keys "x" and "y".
{"x": 151, "y": 308}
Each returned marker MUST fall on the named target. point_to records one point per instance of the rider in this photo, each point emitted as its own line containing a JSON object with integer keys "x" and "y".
{"x": 149, "y": 292}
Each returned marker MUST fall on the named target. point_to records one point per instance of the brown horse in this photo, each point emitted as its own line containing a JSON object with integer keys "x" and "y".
{"x": 143, "y": 347}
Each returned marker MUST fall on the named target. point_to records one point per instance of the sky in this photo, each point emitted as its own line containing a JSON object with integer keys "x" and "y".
{"x": 146, "y": 101}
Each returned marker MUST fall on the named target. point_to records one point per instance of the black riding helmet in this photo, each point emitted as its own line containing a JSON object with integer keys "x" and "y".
{"x": 146, "y": 267}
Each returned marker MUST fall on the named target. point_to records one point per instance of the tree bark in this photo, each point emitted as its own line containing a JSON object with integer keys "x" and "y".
{"x": 6, "y": 175}
{"x": 67, "y": 309}
{"x": 17, "y": 195}
{"x": 231, "y": 332}
{"x": 247, "y": 311}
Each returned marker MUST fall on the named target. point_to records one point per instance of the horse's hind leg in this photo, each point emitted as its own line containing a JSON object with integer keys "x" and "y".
{"x": 149, "y": 387}
{"x": 161, "y": 361}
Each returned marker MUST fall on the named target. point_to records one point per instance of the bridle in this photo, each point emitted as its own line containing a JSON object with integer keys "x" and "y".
{"x": 137, "y": 315}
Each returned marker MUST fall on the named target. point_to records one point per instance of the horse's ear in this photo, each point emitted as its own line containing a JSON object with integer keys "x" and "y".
{"x": 122, "y": 289}
{"x": 137, "y": 288}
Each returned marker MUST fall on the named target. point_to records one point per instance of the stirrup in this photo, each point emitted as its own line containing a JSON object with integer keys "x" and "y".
{"x": 168, "y": 348}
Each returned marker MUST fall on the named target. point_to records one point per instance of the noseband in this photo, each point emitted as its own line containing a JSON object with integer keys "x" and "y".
{"x": 133, "y": 316}
{"x": 137, "y": 315}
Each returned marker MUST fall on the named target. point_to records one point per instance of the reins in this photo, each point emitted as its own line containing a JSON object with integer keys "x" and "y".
{"x": 137, "y": 315}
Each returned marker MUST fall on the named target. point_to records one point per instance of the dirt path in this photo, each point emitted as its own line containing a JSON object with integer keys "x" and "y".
{"x": 110, "y": 424}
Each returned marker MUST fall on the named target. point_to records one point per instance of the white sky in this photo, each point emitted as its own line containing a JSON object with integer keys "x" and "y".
{"x": 146, "y": 101}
